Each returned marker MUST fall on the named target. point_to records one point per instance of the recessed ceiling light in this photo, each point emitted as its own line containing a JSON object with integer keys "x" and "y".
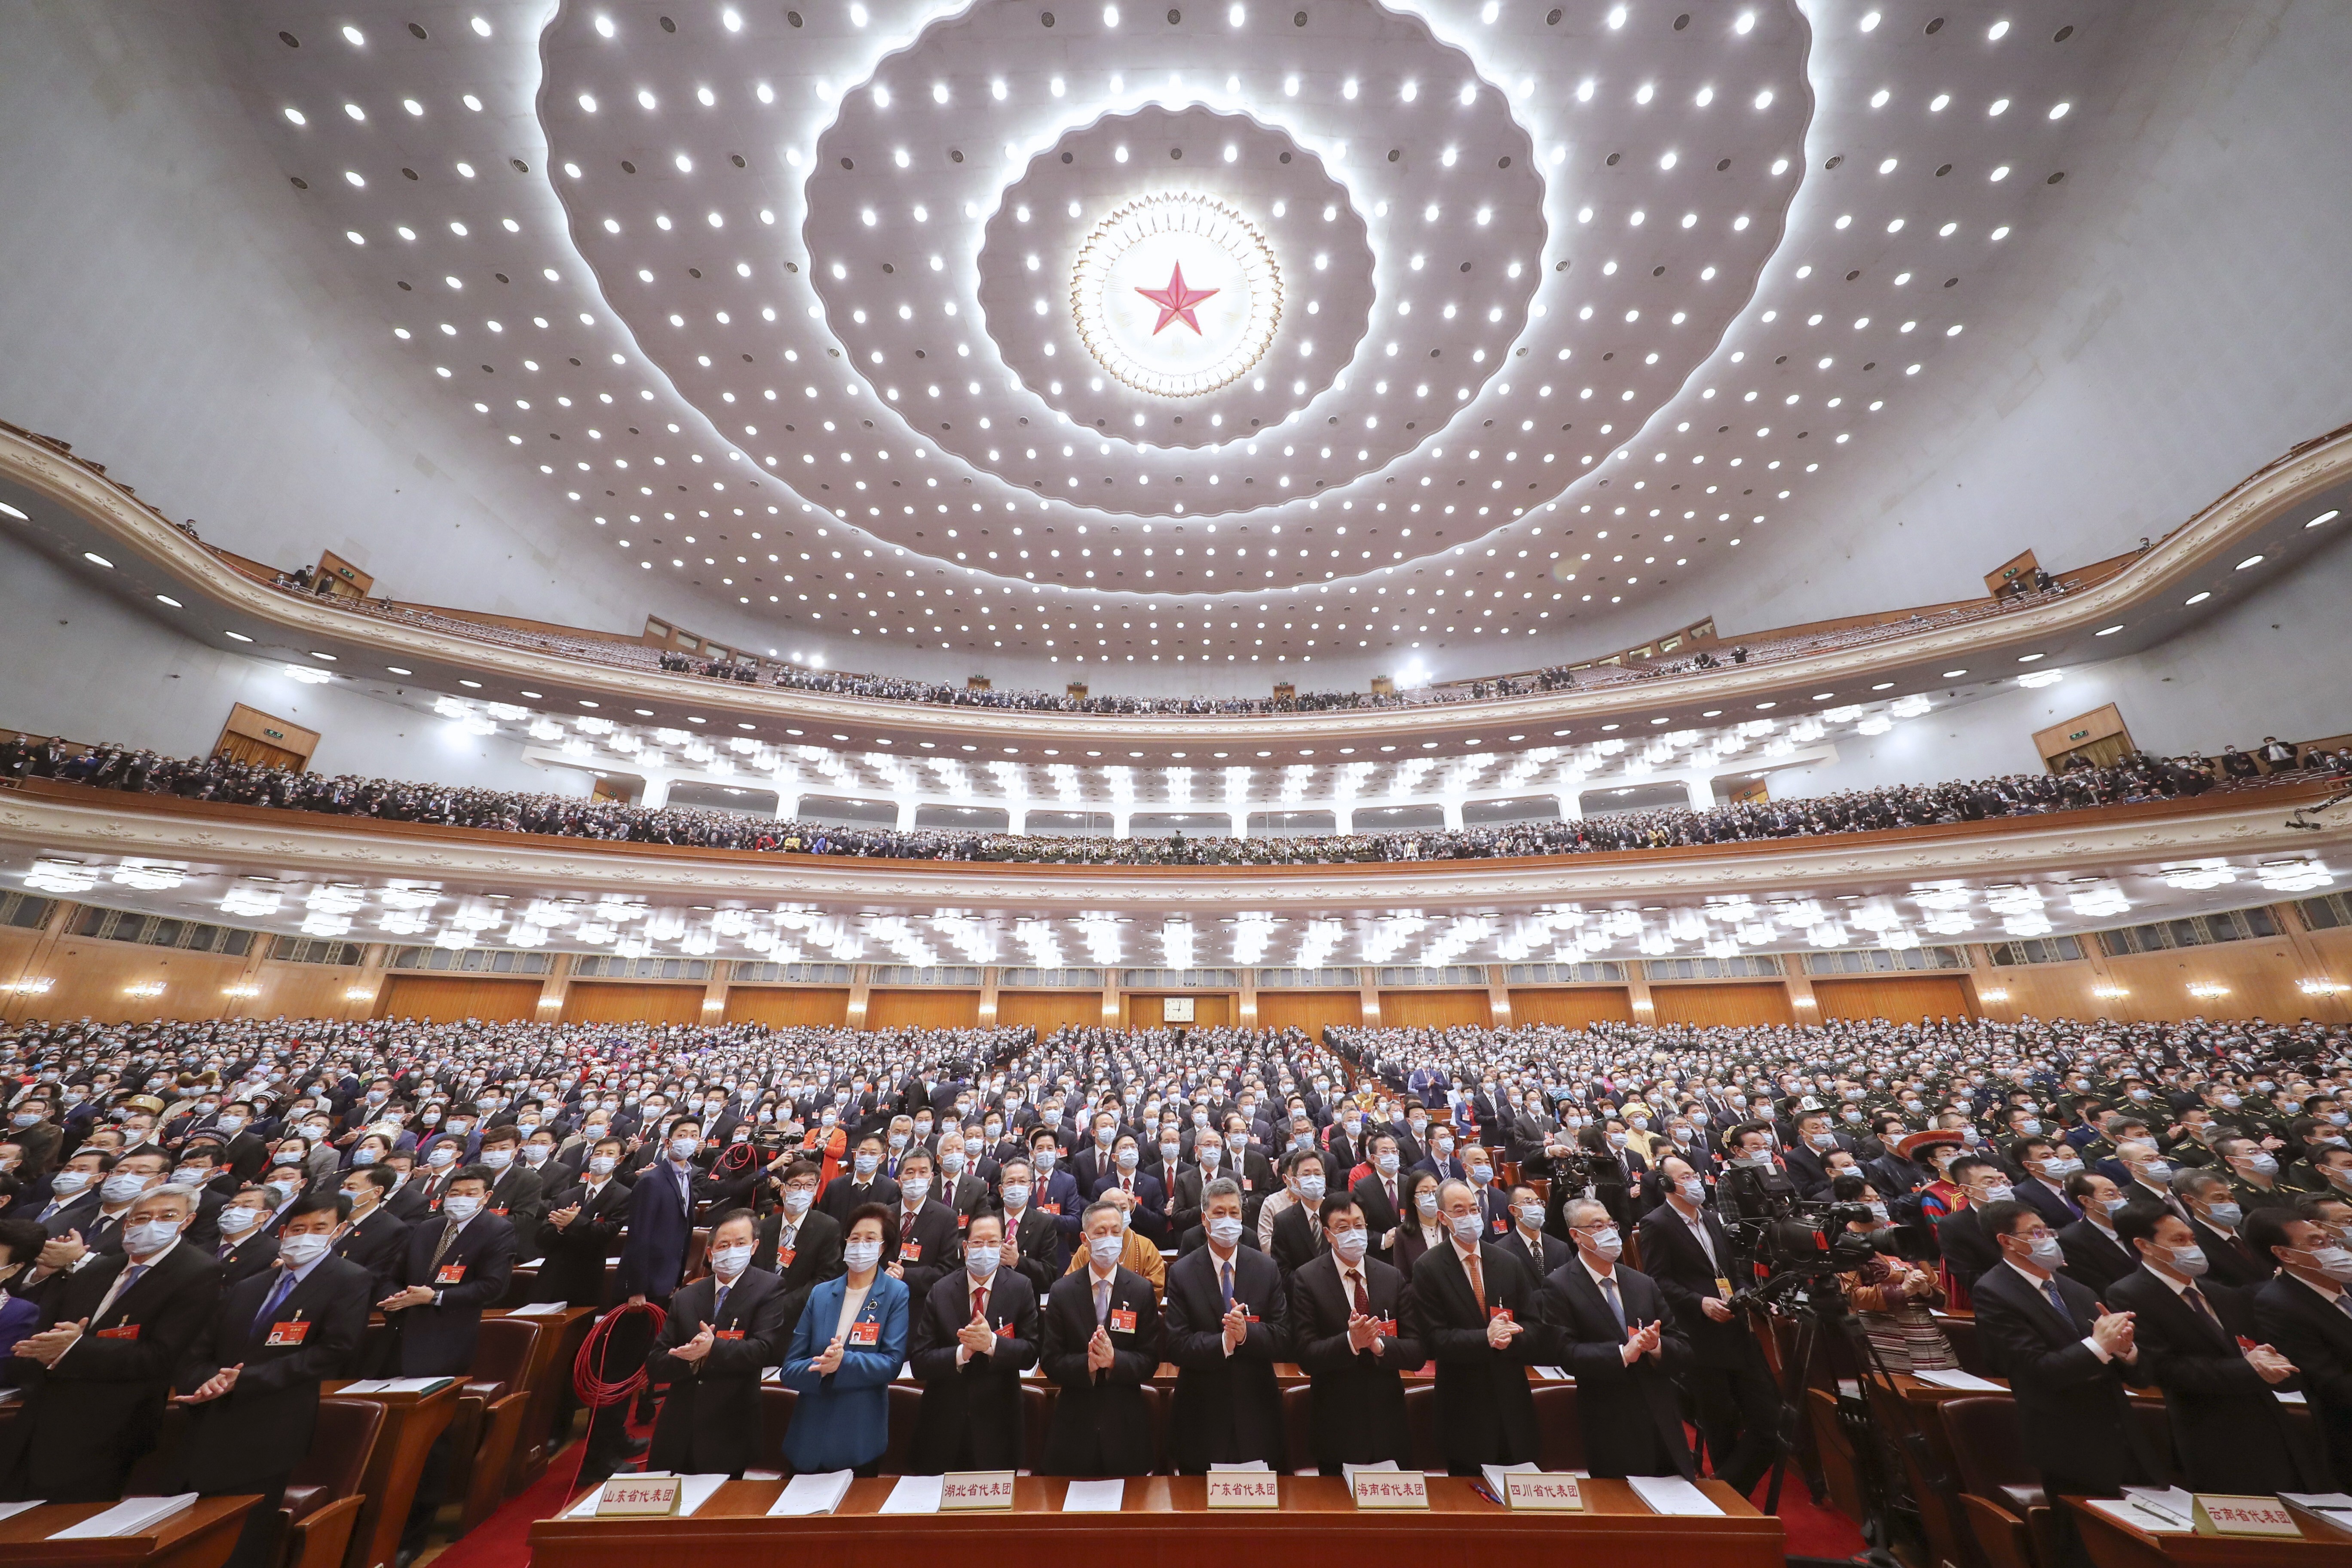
{"x": 470, "y": 685}
{"x": 1884, "y": 686}
{"x": 2330, "y": 515}
{"x": 2197, "y": 598}
{"x": 398, "y": 670}
{"x": 1954, "y": 674}
{"x": 167, "y": 599}
{"x": 2109, "y": 631}
{"x": 328, "y": 657}
{"x": 237, "y": 637}
{"x": 2030, "y": 658}
{"x": 2252, "y": 560}
{"x": 95, "y": 559}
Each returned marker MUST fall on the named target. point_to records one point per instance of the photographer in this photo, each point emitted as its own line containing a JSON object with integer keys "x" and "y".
{"x": 1688, "y": 1253}
{"x": 1890, "y": 1297}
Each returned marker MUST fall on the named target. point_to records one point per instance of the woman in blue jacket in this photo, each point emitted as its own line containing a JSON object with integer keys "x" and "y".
{"x": 849, "y": 1345}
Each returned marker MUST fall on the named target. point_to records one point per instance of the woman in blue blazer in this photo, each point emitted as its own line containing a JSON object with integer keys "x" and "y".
{"x": 849, "y": 1345}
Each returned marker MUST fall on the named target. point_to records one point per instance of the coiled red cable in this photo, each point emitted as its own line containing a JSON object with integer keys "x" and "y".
{"x": 589, "y": 1379}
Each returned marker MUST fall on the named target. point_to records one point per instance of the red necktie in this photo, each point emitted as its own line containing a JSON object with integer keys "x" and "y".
{"x": 979, "y": 1302}
{"x": 1363, "y": 1301}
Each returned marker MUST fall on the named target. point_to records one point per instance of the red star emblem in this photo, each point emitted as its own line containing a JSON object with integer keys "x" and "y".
{"x": 1176, "y": 301}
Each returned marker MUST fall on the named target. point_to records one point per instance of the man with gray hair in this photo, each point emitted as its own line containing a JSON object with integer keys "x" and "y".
{"x": 113, "y": 1331}
{"x": 2214, "y": 1215}
{"x": 1612, "y": 1335}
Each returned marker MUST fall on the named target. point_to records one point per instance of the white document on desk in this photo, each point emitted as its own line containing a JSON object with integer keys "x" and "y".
{"x": 1673, "y": 1495}
{"x": 11, "y": 1509}
{"x": 1966, "y": 1382}
{"x": 2123, "y": 1510}
{"x": 914, "y": 1494}
{"x": 131, "y": 1516}
{"x": 1095, "y": 1496}
{"x": 537, "y": 1309}
{"x": 804, "y": 1496}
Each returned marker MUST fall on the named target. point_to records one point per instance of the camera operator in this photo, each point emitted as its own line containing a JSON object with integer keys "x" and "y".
{"x": 1889, "y": 1296}
{"x": 1688, "y": 1253}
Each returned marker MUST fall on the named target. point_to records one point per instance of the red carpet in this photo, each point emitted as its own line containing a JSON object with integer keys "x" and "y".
{"x": 503, "y": 1540}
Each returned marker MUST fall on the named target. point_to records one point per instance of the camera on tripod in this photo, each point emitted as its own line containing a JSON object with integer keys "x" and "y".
{"x": 1791, "y": 1240}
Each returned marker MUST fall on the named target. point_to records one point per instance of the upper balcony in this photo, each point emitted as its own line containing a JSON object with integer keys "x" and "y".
{"x": 71, "y": 508}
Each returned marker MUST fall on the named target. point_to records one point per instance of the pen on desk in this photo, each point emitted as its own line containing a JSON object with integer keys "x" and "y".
{"x": 1480, "y": 1487}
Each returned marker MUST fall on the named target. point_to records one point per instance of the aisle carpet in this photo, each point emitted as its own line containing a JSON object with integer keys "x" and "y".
{"x": 503, "y": 1540}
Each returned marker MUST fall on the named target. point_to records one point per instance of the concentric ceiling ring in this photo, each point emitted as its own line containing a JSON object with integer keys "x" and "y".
{"x": 1236, "y": 285}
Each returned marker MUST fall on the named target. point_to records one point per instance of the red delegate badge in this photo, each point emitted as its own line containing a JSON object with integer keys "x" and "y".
{"x": 866, "y": 1334}
{"x": 285, "y": 1336}
{"x": 1122, "y": 1319}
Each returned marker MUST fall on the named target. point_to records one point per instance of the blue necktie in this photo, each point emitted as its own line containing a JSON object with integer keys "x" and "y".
{"x": 719, "y": 1303}
{"x": 1225, "y": 1279}
{"x": 284, "y": 1287}
{"x": 2050, "y": 1288}
{"x": 1616, "y": 1302}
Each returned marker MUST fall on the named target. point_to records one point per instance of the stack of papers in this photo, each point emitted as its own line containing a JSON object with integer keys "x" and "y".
{"x": 131, "y": 1516}
{"x": 804, "y": 1496}
{"x": 1493, "y": 1474}
{"x": 1386, "y": 1467}
{"x": 2123, "y": 1510}
{"x": 1673, "y": 1495}
{"x": 1553, "y": 1374}
{"x": 395, "y": 1385}
{"x": 913, "y": 1494}
{"x": 11, "y": 1509}
{"x": 691, "y": 1495}
{"x": 538, "y": 1309}
{"x": 1968, "y": 1381}
{"x": 1095, "y": 1496}
{"x": 1256, "y": 1465}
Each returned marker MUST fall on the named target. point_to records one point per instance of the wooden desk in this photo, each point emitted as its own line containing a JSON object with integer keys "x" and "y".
{"x": 198, "y": 1537}
{"x": 1318, "y": 1526}
{"x": 2114, "y": 1545}
{"x": 411, "y": 1423}
{"x": 550, "y": 1372}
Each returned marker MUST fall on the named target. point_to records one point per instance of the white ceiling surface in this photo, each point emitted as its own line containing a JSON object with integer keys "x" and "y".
{"x": 2130, "y": 76}
{"x": 450, "y": 914}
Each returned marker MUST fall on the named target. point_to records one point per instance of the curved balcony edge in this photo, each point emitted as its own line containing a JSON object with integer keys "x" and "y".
{"x": 51, "y": 819}
{"x": 2209, "y": 534}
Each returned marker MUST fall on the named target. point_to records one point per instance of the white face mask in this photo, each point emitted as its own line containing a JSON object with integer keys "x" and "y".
{"x": 602, "y": 1165}
{"x": 121, "y": 1187}
{"x": 1608, "y": 1244}
{"x": 728, "y": 1262}
{"x": 1105, "y": 1249}
{"x": 682, "y": 1149}
{"x": 66, "y": 1184}
{"x": 796, "y": 1201}
{"x": 1466, "y": 1226}
{"x": 461, "y": 1209}
{"x": 981, "y": 1262}
{"x": 497, "y": 1159}
{"x": 440, "y": 1158}
{"x": 1226, "y": 1231}
{"x": 862, "y": 1255}
{"x": 235, "y": 1219}
{"x": 915, "y": 1189}
{"x": 146, "y": 1240}
{"x": 1349, "y": 1245}
{"x": 1426, "y": 1201}
{"x": 1016, "y": 1196}
{"x": 301, "y": 1251}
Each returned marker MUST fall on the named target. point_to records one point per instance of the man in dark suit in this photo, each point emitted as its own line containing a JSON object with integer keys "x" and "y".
{"x": 1148, "y": 1213}
{"x": 1298, "y": 1236}
{"x": 2307, "y": 1312}
{"x": 1473, "y": 1305}
{"x": 408, "y": 1202}
{"x": 253, "y": 1382}
{"x": 1033, "y": 1241}
{"x": 2067, "y": 1361}
{"x": 370, "y": 1238}
{"x": 2228, "y": 1426}
{"x": 971, "y": 1340}
{"x": 1227, "y": 1325}
{"x": 2041, "y": 1181}
{"x": 2214, "y": 1215}
{"x": 97, "y": 1375}
{"x": 1687, "y": 1255}
{"x": 720, "y": 1331}
{"x": 1609, "y": 1331}
{"x": 1543, "y": 1253}
{"x": 2095, "y": 1256}
{"x": 800, "y": 1242}
{"x": 1345, "y": 1328}
{"x": 1101, "y": 1345}
{"x": 863, "y": 1183}
{"x": 1381, "y": 1191}
{"x": 583, "y": 1230}
{"x": 1054, "y": 1189}
{"x": 459, "y": 1262}
{"x": 929, "y": 1246}
{"x": 518, "y": 1196}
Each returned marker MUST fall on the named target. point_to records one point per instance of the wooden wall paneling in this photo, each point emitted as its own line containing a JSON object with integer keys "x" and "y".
{"x": 1046, "y": 1011}
{"x": 444, "y": 997}
{"x": 1729, "y": 1004}
{"x": 1573, "y": 1008}
{"x": 1312, "y": 1011}
{"x": 609, "y": 1002}
{"x": 922, "y": 1008}
{"x": 1898, "y": 998}
{"x": 1418, "y": 1007}
{"x": 789, "y": 1006}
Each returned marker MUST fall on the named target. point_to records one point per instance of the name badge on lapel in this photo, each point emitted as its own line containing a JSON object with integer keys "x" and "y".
{"x": 285, "y": 1336}
{"x": 1122, "y": 1319}
{"x": 911, "y": 1252}
{"x": 784, "y": 1256}
{"x": 866, "y": 1334}
{"x": 450, "y": 1274}
{"x": 124, "y": 1332}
